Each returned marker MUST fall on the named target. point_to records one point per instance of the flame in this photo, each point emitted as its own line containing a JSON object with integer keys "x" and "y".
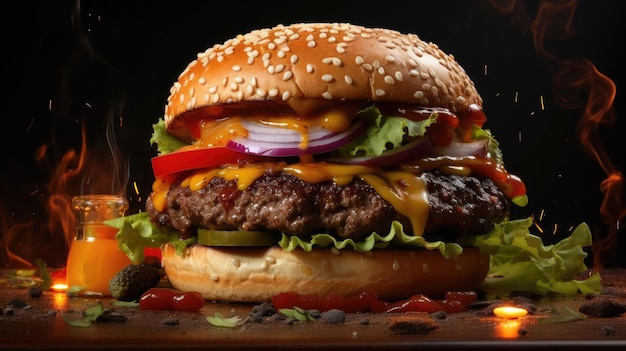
{"x": 49, "y": 236}
{"x": 579, "y": 84}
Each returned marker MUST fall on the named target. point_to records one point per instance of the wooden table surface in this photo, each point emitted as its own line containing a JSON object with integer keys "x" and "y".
{"x": 41, "y": 324}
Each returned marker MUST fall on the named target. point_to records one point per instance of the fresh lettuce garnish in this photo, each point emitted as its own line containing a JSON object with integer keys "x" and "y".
{"x": 385, "y": 133}
{"x": 520, "y": 261}
{"x": 164, "y": 141}
{"x": 373, "y": 241}
{"x": 136, "y": 232}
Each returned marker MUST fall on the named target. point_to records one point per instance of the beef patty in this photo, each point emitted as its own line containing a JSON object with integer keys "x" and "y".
{"x": 277, "y": 201}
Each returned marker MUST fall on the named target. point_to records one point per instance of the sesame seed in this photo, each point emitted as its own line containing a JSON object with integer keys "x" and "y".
{"x": 311, "y": 44}
{"x": 192, "y": 91}
{"x": 425, "y": 268}
{"x": 182, "y": 98}
{"x": 234, "y": 86}
{"x": 390, "y": 58}
{"x": 395, "y": 266}
{"x": 293, "y": 59}
{"x": 310, "y": 68}
{"x": 380, "y": 92}
{"x": 286, "y": 95}
{"x": 327, "y": 95}
{"x": 279, "y": 68}
{"x": 367, "y": 67}
{"x": 238, "y": 80}
{"x": 235, "y": 262}
{"x": 418, "y": 94}
{"x": 281, "y": 54}
{"x": 273, "y": 92}
{"x": 202, "y": 81}
{"x": 212, "y": 89}
{"x": 348, "y": 79}
{"x": 359, "y": 60}
{"x": 261, "y": 92}
{"x": 287, "y": 75}
{"x": 327, "y": 78}
{"x": 399, "y": 76}
{"x": 236, "y": 68}
{"x": 214, "y": 277}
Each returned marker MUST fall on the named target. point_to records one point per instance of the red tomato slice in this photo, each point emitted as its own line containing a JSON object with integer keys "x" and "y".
{"x": 195, "y": 159}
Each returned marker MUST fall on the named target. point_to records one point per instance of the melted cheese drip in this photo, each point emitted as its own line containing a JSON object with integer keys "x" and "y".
{"x": 405, "y": 191}
{"x": 219, "y": 132}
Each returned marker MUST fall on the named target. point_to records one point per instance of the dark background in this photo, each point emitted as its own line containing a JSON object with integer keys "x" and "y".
{"x": 105, "y": 68}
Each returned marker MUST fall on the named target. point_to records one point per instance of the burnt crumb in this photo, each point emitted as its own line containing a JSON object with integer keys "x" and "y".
{"x": 17, "y": 303}
{"x": 171, "y": 322}
{"x": 277, "y": 317}
{"x": 608, "y": 330}
{"x": 603, "y": 308}
{"x": 289, "y": 321}
{"x": 364, "y": 321}
{"x": 114, "y": 317}
{"x": 439, "y": 315}
{"x": 9, "y": 311}
{"x": 333, "y": 316}
{"x": 522, "y": 332}
{"x": 407, "y": 324}
{"x": 259, "y": 312}
{"x": 34, "y": 292}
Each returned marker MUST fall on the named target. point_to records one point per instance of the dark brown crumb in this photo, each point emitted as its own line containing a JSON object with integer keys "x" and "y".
{"x": 603, "y": 308}
{"x": 411, "y": 324}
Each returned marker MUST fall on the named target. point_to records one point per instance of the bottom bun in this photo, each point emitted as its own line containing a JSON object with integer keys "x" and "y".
{"x": 254, "y": 274}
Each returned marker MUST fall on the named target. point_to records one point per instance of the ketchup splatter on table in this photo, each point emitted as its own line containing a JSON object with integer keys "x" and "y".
{"x": 454, "y": 301}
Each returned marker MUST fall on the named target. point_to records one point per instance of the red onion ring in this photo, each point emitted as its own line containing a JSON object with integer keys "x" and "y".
{"x": 323, "y": 143}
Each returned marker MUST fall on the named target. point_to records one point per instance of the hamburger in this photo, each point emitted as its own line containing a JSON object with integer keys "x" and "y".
{"x": 325, "y": 158}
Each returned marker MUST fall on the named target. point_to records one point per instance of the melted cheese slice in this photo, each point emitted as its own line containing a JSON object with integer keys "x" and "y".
{"x": 405, "y": 191}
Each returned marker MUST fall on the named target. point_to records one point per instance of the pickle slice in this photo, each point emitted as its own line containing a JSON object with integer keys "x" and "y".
{"x": 208, "y": 237}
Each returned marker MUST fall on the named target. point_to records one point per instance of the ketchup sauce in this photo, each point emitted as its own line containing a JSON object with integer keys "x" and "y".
{"x": 453, "y": 301}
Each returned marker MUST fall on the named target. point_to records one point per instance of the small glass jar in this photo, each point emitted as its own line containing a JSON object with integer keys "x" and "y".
{"x": 94, "y": 257}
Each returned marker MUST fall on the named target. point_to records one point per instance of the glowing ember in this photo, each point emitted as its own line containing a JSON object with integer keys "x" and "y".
{"x": 510, "y": 312}
{"x": 59, "y": 287}
{"x": 508, "y": 329}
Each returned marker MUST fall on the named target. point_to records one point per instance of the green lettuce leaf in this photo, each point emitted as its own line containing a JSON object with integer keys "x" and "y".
{"x": 396, "y": 236}
{"x": 385, "y": 133}
{"x": 136, "y": 232}
{"x": 520, "y": 261}
{"x": 164, "y": 141}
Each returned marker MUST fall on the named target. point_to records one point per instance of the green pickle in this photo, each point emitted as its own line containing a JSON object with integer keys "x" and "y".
{"x": 237, "y": 238}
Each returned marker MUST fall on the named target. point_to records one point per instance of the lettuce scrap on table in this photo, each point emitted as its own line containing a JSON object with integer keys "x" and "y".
{"x": 519, "y": 260}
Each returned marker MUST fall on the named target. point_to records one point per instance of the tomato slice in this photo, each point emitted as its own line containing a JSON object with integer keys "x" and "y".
{"x": 186, "y": 160}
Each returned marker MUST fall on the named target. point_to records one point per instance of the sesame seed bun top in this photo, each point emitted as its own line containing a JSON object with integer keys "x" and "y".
{"x": 321, "y": 61}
